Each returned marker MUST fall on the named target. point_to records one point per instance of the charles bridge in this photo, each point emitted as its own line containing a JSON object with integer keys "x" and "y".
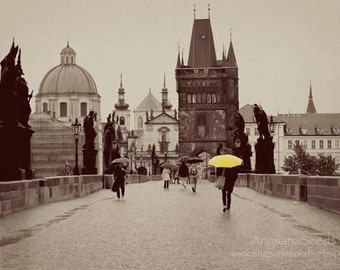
{"x": 76, "y": 222}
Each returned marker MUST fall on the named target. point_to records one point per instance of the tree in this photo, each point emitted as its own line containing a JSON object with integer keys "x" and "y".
{"x": 302, "y": 162}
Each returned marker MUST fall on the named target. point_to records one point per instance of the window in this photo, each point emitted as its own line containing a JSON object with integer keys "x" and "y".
{"x": 321, "y": 144}
{"x": 201, "y": 125}
{"x": 204, "y": 98}
{"x": 213, "y": 98}
{"x": 122, "y": 121}
{"x": 45, "y": 107}
{"x": 63, "y": 109}
{"x": 208, "y": 98}
{"x": 248, "y": 131}
{"x": 193, "y": 98}
{"x": 313, "y": 144}
{"x": 297, "y": 142}
{"x": 337, "y": 144}
{"x": 329, "y": 144}
{"x": 71, "y": 60}
{"x": 198, "y": 98}
{"x": 83, "y": 109}
{"x": 305, "y": 144}
{"x": 66, "y": 59}
{"x": 256, "y": 132}
{"x": 140, "y": 123}
{"x": 290, "y": 144}
{"x": 189, "y": 98}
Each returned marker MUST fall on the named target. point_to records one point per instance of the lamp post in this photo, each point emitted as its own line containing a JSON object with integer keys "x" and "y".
{"x": 76, "y": 131}
{"x": 271, "y": 125}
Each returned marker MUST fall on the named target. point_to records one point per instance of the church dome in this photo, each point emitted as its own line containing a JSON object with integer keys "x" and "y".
{"x": 68, "y": 77}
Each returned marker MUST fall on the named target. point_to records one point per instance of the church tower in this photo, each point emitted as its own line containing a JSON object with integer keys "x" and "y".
{"x": 310, "y": 107}
{"x": 122, "y": 113}
{"x": 207, "y": 93}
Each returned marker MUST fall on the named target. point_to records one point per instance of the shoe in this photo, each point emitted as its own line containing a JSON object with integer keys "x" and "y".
{"x": 225, "y": 208}
{"x": 193, "y": 189}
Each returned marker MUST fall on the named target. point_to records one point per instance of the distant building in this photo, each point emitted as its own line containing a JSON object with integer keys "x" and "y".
{"x": 66, "y": 92}
{"x": 318, "y": 133}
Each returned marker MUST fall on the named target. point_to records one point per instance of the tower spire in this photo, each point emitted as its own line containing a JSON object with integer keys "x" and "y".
{"x": 166, "y": 105}
{"x": 182, "y": 63}
{"x": 310, "y": 107}
{"x": 231, "y": 59}
{"x": 194, "y": 11}
{"x": 209, "y": 11}
{"x": 178, "y": 57}
{"x": 121, "y": 105}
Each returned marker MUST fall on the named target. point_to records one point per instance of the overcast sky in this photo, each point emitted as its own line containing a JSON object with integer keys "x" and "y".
{"x": 280, "y": 45}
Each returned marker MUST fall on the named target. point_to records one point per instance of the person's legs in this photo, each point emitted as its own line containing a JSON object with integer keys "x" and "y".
{"x": 118, "y": 193}
{"x": 224, "y": 199}
{"x": 229, "y": 199}
{"x": 123, "y": 190}
{"x": 164, "y": 185}
{"x": 167, "y": 184}
{"x": 183, "y": 179}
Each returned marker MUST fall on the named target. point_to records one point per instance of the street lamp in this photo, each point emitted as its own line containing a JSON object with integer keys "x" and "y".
{"x": 76, "y": 131}
{"x": 271, "y": 125}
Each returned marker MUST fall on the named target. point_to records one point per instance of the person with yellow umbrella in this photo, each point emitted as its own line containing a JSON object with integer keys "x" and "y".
{"x": 227, "y": 174}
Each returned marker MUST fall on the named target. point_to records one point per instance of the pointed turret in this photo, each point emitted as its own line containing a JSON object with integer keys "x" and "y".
{"x": 178, "y": 58}
{"x": 165, "y": 100}
{"x": 231, "y": 59}
{"x": 121, "y": 105}
{"x": 310, "y": 106}
{"x": 202, "y": 49}
{"x": 224, "y": 59}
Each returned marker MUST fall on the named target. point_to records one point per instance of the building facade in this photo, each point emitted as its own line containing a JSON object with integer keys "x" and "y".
{"x": 66, "y": 92}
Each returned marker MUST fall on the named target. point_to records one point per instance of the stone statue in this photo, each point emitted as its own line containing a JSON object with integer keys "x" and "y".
{"x": 175, "y": 111}
{"x": 109, "y": 137}
{"x": 262, "y": 122}
{"x": 24, "y": 108}
{"x": 8, "y": 89}
{"x": 89, "y": 131}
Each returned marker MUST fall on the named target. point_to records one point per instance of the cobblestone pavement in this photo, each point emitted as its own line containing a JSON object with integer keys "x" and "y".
{"x": 171, "y": 229}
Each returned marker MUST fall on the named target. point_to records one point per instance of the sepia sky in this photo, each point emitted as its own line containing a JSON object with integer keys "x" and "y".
{"x": 280, "y": 45}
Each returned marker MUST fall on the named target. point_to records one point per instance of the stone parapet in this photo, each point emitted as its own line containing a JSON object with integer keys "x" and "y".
{"x": 19, "y": 195}
{"x": 320, "y": 191}
{"x": 133, "y": 179}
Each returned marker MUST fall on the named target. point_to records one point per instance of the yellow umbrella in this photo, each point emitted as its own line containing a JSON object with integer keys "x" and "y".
{"x": 225, "y": 161}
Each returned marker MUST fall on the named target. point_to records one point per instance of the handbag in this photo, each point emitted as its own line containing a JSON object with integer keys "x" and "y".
{"x": 220, "y": 182}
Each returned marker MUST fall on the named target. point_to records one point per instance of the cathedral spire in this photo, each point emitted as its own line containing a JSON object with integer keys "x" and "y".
{"x": 231, "y": 59}
{"x": 310, "y": 106}
{"x": 121, "y": 105}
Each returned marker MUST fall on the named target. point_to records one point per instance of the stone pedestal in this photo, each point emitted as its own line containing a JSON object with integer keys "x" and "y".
{"x": 89, "y": 158}
{"x": 25, "y": 135}
{"x": 10, "y": 153}
{"x": 264, "y": 156}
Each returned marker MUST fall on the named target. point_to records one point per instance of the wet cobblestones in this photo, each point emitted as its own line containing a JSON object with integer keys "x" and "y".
{"x": 171, "y": 229}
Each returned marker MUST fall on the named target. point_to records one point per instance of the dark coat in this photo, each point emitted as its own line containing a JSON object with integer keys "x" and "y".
{"x": 183, "y": 170}
{"x": 119, "y": 177}
{"x": 230, "y": 178}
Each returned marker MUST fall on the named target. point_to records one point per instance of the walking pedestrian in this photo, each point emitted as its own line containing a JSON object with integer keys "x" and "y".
{"x": 230, "y": 175}
{"x": 193, "y": 177}
{"x": 119, "y": 174}
{"x": 183, "y": 174}
{"x": 166, "y": 176}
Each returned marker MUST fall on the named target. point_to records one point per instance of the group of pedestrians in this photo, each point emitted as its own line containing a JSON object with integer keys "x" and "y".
{"x": 186, "y": 175}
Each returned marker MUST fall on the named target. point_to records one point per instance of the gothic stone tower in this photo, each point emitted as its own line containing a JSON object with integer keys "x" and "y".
{"x": 207, "y": 94}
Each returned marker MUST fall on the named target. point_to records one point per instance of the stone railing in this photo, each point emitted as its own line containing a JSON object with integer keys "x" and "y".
{"x": 320, "y": 191}
{"x": 18, "y": 195}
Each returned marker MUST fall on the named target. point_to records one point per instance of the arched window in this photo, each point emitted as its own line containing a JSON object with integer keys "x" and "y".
{"x": 140, "y": 122}
{"x": 201, "y": 125}
{"x": 63, "y": 109}
{"x": 45, "y": 107}
{"x": 71, "y": 60}
{"x": 66, "y": 59}
{"x": 122, "y": 121}
{"x": 83, "y": 109}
